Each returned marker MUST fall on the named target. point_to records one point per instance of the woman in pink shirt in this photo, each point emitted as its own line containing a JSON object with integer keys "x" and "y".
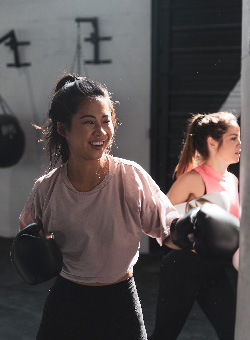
{"x": 96, "y": 206}
{"x": 211, "y": 145}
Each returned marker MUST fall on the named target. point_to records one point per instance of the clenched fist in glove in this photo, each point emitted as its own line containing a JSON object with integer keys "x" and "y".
{"x": 210, "y": 230}
{"x": 182, "y": 229}
{"x": 35, "y": 258}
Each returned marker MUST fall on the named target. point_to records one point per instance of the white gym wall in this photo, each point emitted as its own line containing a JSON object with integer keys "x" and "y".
{"x": 50, "y": 27}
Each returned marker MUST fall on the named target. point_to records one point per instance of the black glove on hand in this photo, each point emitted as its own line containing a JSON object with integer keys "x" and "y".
{"x": 216, "y": 233}
{"x": 36, "y": 259}
{"x": 182, "y": 229}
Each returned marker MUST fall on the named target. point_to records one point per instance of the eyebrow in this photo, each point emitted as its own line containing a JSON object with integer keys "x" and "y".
{"x": 91, "y": 116}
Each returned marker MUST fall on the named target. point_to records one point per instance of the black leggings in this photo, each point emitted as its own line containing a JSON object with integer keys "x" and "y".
{"x": 186, "y": 277}
{"x": 78, "y": 312}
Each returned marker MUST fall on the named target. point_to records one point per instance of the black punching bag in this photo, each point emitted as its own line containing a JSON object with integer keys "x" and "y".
{"x": 12, "y": 140}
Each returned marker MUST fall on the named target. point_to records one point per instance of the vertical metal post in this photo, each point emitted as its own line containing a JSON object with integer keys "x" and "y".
{"x": 243, "y": 291}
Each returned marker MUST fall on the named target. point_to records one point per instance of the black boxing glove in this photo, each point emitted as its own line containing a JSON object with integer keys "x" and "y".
{"x": 36, "y": 259}
{"x": 216, "y": 233}
{"x": 182, "y": 229}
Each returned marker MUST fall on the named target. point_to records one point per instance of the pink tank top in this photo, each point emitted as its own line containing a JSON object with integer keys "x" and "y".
{"x": 216, "y": 182}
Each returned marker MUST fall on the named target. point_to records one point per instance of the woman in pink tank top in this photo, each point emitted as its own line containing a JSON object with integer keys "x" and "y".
{"x": 212, "y": 144}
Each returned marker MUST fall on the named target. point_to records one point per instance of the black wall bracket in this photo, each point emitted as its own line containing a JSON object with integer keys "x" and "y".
{"x": 95, "y": 40}
{"x": 11, "y": 41}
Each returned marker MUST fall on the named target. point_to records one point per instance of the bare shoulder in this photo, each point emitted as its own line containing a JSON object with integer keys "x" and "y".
{"x": 188, "y": 186}
{"x": 192, "y": 176}
{"x": 190, "y": 179}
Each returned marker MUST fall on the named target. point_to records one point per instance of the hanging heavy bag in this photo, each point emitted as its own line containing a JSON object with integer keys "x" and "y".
{"x": 35, "y": 258}
{"x": 12, "y": 140}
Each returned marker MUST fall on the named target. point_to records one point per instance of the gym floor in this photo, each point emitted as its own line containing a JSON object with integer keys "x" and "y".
{"x": 21, "y": 305}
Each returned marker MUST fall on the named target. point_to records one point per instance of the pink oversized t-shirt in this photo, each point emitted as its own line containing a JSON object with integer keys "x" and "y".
{"x": 216, "y": 182}
{"x": 99, "y": 231}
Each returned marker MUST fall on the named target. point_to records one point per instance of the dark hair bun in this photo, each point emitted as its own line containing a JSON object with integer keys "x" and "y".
{"x": 67, "y": 78}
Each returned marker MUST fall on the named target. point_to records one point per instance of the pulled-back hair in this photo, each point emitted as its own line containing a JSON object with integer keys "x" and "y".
{"x": 200, "y": 127}
{"x": 70, "y": 91}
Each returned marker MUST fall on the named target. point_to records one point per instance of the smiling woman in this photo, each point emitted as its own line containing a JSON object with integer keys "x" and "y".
{"x": 91, "y": 129}
{"x": 91, "y": 133}
{"x": 96, "y": 206}
{"x": 78, "y": 103}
